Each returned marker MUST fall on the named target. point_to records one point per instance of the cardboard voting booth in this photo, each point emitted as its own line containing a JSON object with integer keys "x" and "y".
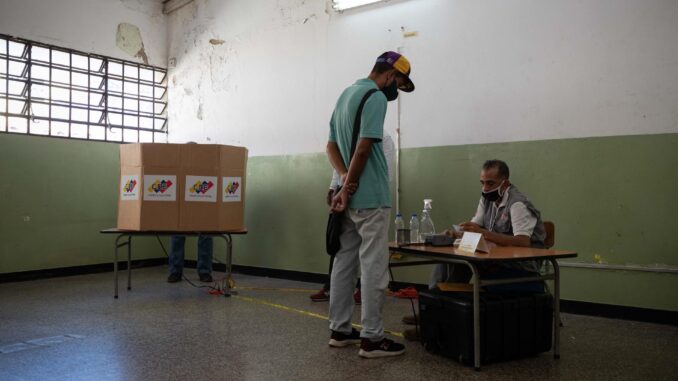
{"x": 181, "y": 187}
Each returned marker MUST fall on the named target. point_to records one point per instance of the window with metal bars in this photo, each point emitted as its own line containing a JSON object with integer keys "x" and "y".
{"x": 54, "y": 91}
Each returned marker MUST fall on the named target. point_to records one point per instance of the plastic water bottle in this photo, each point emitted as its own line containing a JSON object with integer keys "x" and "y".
{"x": 400, "y": 229}
{"x": 414, "y": 228}
{"x": 426, "y": 227}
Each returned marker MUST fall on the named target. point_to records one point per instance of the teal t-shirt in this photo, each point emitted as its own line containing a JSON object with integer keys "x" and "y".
{"x": 373, "y": 190}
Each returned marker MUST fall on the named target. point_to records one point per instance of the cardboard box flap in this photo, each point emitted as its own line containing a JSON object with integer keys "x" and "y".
{"x": 232, "y": 158}
{"x": 160, "y": 155}
{"x": 200, "y": 156}
{"x": 130, "y": 155}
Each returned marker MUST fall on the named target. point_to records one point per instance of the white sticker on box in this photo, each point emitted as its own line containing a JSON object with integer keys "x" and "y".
{"x": 129, "y": 190}
{"x": 232, "y": 189}
{"x": 160, "y": 188}
{"x": 201, "y": 188}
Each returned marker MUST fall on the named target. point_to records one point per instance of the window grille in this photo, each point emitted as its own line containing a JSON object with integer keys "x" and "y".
{"x": 53, "y": 91}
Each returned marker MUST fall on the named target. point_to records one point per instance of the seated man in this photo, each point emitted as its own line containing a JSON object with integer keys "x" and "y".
{"x": 505, "y": 217}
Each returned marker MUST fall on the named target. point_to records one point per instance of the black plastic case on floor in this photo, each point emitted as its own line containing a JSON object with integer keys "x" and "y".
{"x": 511, "y": 325}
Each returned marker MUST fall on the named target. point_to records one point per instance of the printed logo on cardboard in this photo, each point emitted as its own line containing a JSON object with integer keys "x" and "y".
{"x": 130, "y": 188}
{"x": 160, "y": 188}
{"x": 232, "y": 189}
{"x": 201, "y": 188}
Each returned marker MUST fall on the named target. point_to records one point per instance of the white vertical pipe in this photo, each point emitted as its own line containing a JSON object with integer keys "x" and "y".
{"x": 397, "y": 154}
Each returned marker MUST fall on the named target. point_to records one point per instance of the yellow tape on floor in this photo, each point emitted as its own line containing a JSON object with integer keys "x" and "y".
{"x": 301, "y": 312}
{"x": 275, "y": 289}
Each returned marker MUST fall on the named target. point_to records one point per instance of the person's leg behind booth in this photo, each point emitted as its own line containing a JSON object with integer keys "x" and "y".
{"x": 176, "y": 258}
{"x": 205, "y": 255}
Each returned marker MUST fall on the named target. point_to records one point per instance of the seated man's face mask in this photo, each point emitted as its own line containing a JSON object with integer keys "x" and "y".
{"x": 494, "y": 194}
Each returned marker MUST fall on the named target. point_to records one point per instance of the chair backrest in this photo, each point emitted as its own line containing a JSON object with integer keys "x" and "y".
{"x": 550, "y": 239}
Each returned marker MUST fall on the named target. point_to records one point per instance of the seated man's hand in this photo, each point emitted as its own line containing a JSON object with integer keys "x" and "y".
{"x": 471, "y": 227}
{"x": 452, "y": 233}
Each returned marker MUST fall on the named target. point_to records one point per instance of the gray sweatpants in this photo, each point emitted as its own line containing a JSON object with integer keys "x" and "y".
{"x": 364, "y": 245}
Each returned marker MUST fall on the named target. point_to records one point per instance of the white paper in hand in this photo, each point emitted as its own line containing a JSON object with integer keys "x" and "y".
{"x": 470, "y": 242}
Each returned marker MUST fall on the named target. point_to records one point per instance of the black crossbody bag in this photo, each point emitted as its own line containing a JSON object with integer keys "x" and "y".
{"x": 333, "y": 231}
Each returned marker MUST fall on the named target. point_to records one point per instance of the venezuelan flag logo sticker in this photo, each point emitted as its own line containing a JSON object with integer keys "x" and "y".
{"x": 160, "y": 188}
{"x": 129, "y": 187}
{"x": 201, "y": 188}
{"x": 232, "y": 189}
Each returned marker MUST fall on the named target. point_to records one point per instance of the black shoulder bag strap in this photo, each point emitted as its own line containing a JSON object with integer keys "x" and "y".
{"x": 356, "y": 123}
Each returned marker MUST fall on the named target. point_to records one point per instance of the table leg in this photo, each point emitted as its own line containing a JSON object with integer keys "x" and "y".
{"x": 115, "y": 266}
{"x": 229, "y": 260}
{"x": 118, "y": 245}
{"x": 476, "y": 316}
{"x": 129, "y": 262}
{"x": 556, "y": 305}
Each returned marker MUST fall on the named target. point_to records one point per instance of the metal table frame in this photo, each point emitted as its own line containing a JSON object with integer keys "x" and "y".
{"x": 477, "y": 283}
{"x": 124, "y": 238}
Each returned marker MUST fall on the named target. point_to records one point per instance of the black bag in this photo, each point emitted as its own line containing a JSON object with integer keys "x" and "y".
{"x": 512, "y": 325}
{"x": 333, "y": 231}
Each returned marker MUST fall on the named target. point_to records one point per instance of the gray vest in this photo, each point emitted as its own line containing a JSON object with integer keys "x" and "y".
{"x": 501, "y": 222}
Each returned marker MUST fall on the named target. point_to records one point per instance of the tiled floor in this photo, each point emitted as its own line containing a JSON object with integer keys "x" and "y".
{"x": 72, "y": 329}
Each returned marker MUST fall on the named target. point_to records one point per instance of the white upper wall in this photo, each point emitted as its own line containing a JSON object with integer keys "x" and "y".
{"x": 485, "y": 71}
{"x": 88, "y": 25}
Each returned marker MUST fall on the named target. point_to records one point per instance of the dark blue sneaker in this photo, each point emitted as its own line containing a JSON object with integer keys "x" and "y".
{"x": 340, "y": 340}
{"x": 384, "y": 348}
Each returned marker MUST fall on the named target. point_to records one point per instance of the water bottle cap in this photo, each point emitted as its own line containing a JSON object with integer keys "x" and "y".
{"x": 398, "y": 215}
{"x": 427, "y": 203}
{"x": 414, "y": 214}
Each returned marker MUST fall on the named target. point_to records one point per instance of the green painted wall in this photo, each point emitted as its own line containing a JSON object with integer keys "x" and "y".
{"x": 55, "y": 196}
{"x": 611, "y": 197}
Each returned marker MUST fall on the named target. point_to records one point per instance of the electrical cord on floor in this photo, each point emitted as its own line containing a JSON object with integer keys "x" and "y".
{"x": 216, "y": 288}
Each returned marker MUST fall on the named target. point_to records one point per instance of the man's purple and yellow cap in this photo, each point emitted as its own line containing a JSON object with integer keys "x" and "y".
{"x": 401, "y": 64}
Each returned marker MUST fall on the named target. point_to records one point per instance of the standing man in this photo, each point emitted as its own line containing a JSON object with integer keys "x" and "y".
{"x": 366, "y": 201}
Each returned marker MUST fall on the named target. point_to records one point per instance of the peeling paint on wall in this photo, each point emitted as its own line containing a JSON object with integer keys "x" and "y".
{"x": 128, "y": 39}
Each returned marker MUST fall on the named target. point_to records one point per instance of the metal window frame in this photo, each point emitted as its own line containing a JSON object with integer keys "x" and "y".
{"x": 158, "y": 83}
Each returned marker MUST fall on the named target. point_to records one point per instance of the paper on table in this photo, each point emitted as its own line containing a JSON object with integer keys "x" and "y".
{"x": 470, "y": 242}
